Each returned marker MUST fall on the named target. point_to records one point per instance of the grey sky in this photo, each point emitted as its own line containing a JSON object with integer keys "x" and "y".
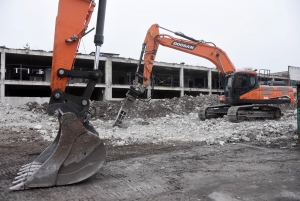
{"x": 263, "y": 34}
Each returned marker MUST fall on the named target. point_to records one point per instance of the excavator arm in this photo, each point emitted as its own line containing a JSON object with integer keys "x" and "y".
{"x": 77, "y": 151}
{"x": 72, "y": 21}
{"x": 150, "y": 46}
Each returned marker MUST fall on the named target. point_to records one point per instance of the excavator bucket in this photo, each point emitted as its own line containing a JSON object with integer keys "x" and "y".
{"x": 76, "y": 154}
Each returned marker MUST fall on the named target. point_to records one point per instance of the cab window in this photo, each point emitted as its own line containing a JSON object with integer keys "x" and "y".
{"x": 252, "y": 81}
{"x": 241, "y": 80}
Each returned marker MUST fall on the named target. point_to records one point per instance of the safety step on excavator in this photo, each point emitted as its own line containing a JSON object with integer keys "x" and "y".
{"x": 244, "y": 96}
{"x": 77, "y": 151}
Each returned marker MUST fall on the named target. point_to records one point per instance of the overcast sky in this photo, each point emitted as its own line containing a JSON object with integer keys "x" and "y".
{"x": 263, "y": 34}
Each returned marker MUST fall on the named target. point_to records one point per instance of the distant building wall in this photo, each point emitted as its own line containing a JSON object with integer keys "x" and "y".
{"x": 25, "y": 77}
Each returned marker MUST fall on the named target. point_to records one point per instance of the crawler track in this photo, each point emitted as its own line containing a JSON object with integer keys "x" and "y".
{"x": 240, "y": 113}
{"x": 253, "y": 112}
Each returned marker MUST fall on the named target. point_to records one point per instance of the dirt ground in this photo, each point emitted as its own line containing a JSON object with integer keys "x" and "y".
{"x": 176, "y": 171}
{"x": 166, "y": 170}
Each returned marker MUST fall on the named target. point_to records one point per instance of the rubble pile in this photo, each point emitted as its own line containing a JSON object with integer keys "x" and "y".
{"x": 35, "y": 107}
{"x": 188, "y": 128}
{"x": 180, "y": 106}
{"x": 108, "y": 110}
{"x": 161, "y": 121}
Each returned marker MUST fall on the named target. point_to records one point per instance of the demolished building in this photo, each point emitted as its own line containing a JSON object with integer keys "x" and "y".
{"x": 25, "y": 77}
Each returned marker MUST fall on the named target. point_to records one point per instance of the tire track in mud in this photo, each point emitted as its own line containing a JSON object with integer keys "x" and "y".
{"x": 7, "y": 172}
{"x": 20, "y": 156}
{"x": 163, "y": 173}
{"x": 124, "y": 186}
{"x": 113, "y": 182}
{"x": 129, "y": 176}
{"x": 131, "y": 151}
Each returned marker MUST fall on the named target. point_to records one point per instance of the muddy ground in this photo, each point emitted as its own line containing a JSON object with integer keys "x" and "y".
{"x": 178, "y": 171}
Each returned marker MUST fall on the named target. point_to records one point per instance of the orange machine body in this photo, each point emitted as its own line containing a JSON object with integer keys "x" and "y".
{"x": 266, "y": 92}
{"x": 70, "y": 24}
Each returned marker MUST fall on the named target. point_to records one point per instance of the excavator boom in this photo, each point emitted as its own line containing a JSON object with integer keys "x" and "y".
{"x": 200, "y": 48}
{"x": 77, "y": 151}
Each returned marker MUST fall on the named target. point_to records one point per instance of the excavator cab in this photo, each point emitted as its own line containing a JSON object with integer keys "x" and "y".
{"x": 239, "y": 83}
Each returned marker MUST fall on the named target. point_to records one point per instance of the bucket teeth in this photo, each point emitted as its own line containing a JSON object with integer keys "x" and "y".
{"x": 29, "y": 168}
{"x": 33, "y": 163}
{"x": 17, "y": 187}
{"x": 24, "y": 172}
{"x": 18, "y": 181}
{"x": 24, "y": 175}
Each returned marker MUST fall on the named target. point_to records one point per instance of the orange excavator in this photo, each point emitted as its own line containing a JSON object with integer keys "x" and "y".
{"x": 244, "y": 96}
{"x": 77, "y": 151}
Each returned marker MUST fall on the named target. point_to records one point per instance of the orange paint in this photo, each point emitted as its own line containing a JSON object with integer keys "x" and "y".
{"x": 72, "y": 18}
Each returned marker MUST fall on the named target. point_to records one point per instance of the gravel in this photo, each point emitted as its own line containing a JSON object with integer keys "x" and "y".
{"x": 162, "y": 121}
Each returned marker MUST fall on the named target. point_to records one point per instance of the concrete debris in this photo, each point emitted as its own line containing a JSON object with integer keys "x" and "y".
{"x": 210, "y": 141}
{"x": 161, "y": 121}
{"x": 38, "y": 127}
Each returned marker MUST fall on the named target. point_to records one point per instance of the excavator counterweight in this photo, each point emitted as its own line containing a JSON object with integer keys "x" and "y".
{"x": 77, "y": 151}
